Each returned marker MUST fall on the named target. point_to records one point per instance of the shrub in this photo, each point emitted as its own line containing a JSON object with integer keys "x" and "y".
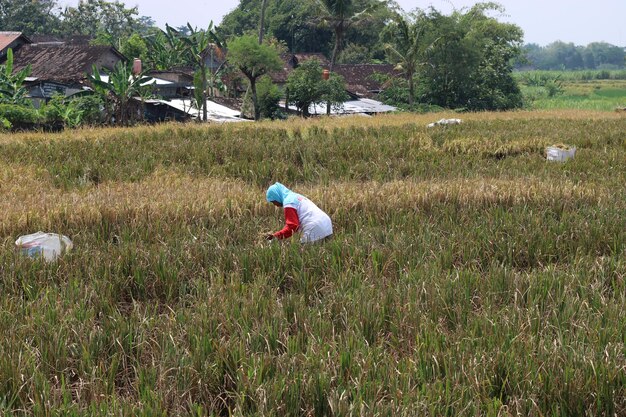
{"x": 268, "y": 97}
{"x": 19, "y": 116}
{"x": 91, "y": 107}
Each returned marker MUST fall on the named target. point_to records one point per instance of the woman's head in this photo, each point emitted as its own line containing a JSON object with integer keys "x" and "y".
{"x": 276, "y": 194}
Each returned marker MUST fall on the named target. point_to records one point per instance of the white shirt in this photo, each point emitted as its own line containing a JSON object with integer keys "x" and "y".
{"x": 314, "y": 223}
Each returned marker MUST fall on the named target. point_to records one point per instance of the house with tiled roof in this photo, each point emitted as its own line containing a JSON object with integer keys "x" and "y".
{"x": 300, "y": 58}
{"x": 361, "y": 79}
{"x": 11, "y": 40}
{"x": 65, "y": 62}
{"x": 59, "y": 67}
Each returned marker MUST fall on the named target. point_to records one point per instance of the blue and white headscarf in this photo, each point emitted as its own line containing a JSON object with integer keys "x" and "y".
{"x": 283, "y": 195}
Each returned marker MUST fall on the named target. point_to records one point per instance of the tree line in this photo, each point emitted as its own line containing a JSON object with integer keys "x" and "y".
{"x": 107, "y": 21}
{"x": 567, "y": 56}
{"x": 463, "y": 60}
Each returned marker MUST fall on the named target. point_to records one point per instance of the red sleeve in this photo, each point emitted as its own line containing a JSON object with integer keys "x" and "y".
{"x": 292, "y": 222}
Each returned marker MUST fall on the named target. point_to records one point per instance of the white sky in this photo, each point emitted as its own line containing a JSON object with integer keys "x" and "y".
{"x": 543, "y": 21}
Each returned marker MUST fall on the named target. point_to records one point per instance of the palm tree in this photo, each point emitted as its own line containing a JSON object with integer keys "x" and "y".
{"x": 408, "y": 49}
{"x": 340, "y": 15}
{"x": 262, "y": 21}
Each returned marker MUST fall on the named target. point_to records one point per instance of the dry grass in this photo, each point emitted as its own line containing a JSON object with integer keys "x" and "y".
{"x": 178, "y": 130}
{"x": 28, "y": 192}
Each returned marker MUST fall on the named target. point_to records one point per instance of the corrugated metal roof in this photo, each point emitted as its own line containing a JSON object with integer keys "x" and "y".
{"x": 361, "y": 106}
{"x": 153, "y": 81}
{"x": 216, "y": 112}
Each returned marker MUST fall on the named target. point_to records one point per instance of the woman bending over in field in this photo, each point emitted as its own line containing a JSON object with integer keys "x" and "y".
{"x": 301, "y": 215}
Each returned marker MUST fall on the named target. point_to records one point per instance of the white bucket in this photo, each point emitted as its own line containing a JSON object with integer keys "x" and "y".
{"x": 557, "y": 154}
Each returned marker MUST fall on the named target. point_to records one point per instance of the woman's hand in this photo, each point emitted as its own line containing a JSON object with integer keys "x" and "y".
{"x": 269, "y": 236}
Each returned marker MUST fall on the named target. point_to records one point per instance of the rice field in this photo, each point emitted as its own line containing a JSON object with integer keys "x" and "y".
{"x": 580, "y": 94}
{"x": 467, "y": 275}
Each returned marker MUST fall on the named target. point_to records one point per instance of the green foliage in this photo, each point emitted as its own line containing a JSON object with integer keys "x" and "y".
{"x": 288, "y": 20}
{"x": 166, "y": 49}
{"x": 111, "y": 21}
{"x": 469, "y": 64}
{"x": 90, "y": 107}
{"x": 19, "y": 116}
{"x": 195, "y": 47}
{"x": 57, "y": 110}
{"x": 306, "y": 87}
{"x": 268, "y": 96}
{"x": 334, "y": 90}
{"x": 188, "y": 46}
{"x": 552, "y": 84}
{"x": 135, "y": 47}
{"x": 29, "y": 17}
{"x": 253, "y": 60}
{"x": 396, "y": 93}
{"x": 341, "y": 15}
{"x": 407, "y": 49}
{"x": 575, "y": 89}
{"x": 58, "y": 113}
{"x": 198, "y": 98}
{"x": 5, "y": 123}
{"x": 355, "y": 54}
{"x": 71, "y": 112}
{"x": 570, "y": 76}
{"x": 297, "y": 23}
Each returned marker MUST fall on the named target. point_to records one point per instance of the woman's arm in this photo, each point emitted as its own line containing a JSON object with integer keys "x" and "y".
{"x": 292, "y": 222}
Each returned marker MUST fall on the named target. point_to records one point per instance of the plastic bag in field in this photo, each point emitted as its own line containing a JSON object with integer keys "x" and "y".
{"x": 445, "y": 122}
{"x": 48, "y": 245}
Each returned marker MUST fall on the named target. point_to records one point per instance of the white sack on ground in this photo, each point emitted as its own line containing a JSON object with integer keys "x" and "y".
{"x": 445, "y": 122}
{"x": 48, "y": 245}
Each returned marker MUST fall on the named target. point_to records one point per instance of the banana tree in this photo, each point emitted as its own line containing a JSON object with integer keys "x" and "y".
{"x": 197, "y": 44}
{"x": 12, "y": 90}
{"x": 165, "y": 49}
{"x": 121, "y": 91}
